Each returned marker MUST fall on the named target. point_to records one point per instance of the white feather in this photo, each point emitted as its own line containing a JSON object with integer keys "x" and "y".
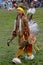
{"x": 33, "y": 27}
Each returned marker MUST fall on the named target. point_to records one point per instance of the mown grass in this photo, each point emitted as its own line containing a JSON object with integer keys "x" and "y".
{"x": 6, "y": 27}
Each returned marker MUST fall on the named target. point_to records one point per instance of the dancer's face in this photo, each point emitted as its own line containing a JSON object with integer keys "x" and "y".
{"x": 31, "y": 5}
{"x": 19, "y": 12}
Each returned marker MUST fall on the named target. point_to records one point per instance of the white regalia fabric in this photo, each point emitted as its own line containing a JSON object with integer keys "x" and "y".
{"x": 31, "y": 11}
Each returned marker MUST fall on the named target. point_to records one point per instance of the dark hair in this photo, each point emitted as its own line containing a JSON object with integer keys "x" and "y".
{"x": 22, "y": 7}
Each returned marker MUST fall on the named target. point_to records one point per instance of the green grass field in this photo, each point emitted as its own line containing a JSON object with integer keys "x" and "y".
{"x": 6, "y": 27}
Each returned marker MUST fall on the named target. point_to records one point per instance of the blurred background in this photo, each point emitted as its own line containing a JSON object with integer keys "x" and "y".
{"x": 11, "y": 3}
